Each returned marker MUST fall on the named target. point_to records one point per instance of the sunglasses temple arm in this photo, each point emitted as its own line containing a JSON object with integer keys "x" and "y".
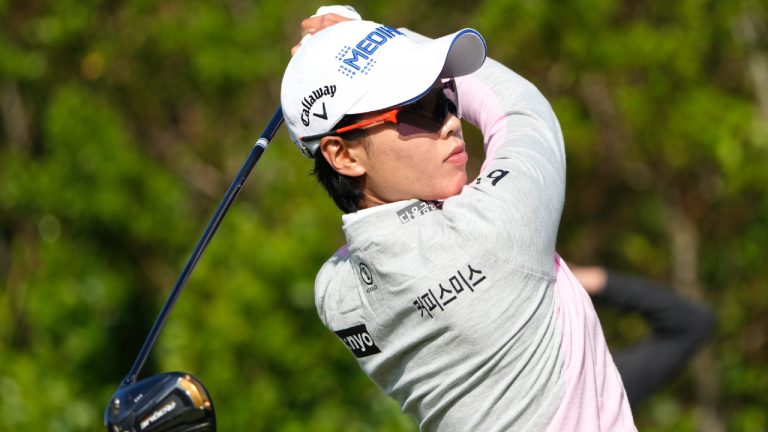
{"x": 390, "y": 116}
{"x": 318, "y": 136}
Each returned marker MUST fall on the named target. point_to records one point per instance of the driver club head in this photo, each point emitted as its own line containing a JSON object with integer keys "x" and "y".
{"x": 168, "y": 402}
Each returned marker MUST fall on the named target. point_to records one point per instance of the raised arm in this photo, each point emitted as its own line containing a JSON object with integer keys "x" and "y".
{"x": 521, "y": 185}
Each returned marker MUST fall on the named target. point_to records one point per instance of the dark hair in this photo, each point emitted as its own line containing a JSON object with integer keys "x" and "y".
{"x": 346, "y": 191}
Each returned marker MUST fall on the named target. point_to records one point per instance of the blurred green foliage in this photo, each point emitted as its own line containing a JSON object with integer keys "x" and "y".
{"x": 124, "y": 122}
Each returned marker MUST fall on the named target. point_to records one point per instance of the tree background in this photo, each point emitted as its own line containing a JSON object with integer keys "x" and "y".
{"x": 122, "y": 124}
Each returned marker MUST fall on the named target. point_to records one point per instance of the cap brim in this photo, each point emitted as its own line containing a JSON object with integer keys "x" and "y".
{"x": 453, "y": 55}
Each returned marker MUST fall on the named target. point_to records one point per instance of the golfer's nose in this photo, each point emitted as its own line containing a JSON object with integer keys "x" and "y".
{"x": 451, "y": 126}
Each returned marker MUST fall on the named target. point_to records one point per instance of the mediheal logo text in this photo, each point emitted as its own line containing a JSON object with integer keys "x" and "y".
{"x": 359, "y": 58}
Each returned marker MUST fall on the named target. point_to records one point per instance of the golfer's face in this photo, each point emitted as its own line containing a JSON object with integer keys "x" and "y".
{"x": 429, "y": 166}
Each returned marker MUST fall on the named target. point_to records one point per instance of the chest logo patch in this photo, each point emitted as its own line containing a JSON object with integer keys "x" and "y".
{"x": 367, "y": 277}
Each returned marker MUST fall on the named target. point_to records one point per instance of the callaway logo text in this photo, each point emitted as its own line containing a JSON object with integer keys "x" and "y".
{"x": 308, "y": 101}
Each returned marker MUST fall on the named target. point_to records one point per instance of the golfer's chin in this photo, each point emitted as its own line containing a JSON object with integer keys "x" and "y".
{"x": 451, "y": 187}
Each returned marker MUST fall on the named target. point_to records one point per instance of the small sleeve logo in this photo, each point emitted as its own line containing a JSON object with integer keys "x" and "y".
{"x": 358, "y": 340}
{"x": 367, "y": 277}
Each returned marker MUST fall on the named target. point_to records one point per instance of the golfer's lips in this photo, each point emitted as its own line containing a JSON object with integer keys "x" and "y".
{"x": 458, "y": 154}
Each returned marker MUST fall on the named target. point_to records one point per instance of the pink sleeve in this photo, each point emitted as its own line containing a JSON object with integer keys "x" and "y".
{"x": 594, "y": 398}
{"x": 505, "y": 107}
{"x": 481, "y": 107}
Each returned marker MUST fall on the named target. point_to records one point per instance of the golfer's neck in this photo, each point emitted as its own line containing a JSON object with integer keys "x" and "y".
{"x": 369, "y": 201}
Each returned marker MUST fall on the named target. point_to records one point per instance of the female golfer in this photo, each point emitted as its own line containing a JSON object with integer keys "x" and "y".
{"x": 450, "y": 294}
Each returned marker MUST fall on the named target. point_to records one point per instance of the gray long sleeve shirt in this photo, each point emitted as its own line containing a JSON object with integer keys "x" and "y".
{"x": 453, "y": 308}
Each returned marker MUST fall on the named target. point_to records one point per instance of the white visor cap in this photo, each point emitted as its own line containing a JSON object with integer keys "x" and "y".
{"x": 356, "y": 67}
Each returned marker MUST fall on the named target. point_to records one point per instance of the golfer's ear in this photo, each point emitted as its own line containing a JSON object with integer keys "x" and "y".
{"x": 343, "y": 156}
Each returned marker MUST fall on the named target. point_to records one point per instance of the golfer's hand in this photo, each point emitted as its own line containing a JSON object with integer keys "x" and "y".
{"x": 314, "y": 24}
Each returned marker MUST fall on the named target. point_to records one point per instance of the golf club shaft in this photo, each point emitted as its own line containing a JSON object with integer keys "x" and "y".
{"x": 210, "y": 230}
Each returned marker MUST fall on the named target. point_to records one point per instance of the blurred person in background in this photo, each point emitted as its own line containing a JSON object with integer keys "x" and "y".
{"x": 678, "y": 327}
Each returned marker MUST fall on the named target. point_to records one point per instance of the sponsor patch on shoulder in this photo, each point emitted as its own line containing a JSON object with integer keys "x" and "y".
{"x": 358, "y": 340}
